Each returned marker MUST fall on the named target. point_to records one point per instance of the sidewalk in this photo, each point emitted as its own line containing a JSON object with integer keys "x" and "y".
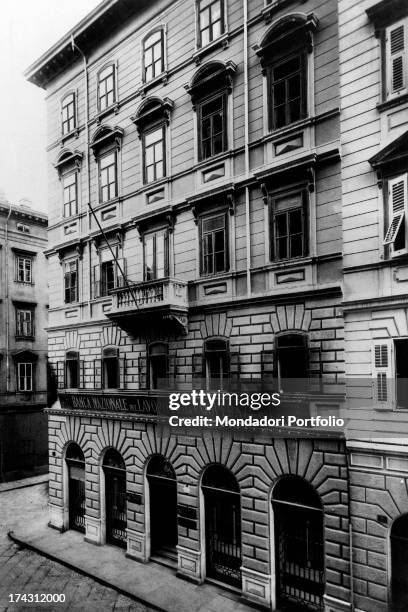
{"x": 24, "y": 482}
{"x": 151, "y": 584}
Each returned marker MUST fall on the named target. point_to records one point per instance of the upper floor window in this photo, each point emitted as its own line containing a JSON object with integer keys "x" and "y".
{"x": 70, "y": 194}
{"x": 212, "y": 126}
{"x": 153, "y": 55}
{"x": 108, "y": 273}
{"x": 108, "y": 176}
{"x": 110, "y": 368}
{"x": 25, "y": 376}
{"x": 397, "y": 209}
{"x": 211, "y": 20}
{"x": 155, "y": 255}
{"x": 284, "y": 53}
{"x": 68, "y": 114}
{"x": 154, "y": 154}
{"x": 288, "y": 225}
{"x": 396, "y": 45}
{"x": 24, "y": 269}
{"x": 71, "y": 281}
{"x": 24, "y": 322}
{"x": 106, "y": 87}
{"x": 214, "y": 244}
{"x": 72, "y": 370}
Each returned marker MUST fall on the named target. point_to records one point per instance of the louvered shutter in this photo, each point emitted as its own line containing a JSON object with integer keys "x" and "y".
{"x": 142, "y": 363}
{"x": 96, "y": 281}
{"x": 397, "y": 58}
{"x": 198, "y": 369}
{"x": 97, "y": 373}
{"x": 397, "y": 205}
{"x": 382, "y": 371}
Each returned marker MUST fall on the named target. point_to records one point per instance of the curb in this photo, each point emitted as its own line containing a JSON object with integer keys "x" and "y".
{"x": 83, "y": 572}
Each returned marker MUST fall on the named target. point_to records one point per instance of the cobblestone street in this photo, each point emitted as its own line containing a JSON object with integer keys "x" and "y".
{"x": 24, "y": 571}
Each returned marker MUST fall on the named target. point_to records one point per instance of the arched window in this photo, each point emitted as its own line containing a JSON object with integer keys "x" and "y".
{"x": 159, "y": 365}
{"x": 153, "y": 55}
{"x": 72, "y": 370}
{"x": 399, "y": 563}
{"x": 110, "y": 367}
{"x": 284, "y": 58}
{"x": 151, "y": 119}
{"x": 68, "y": 113}
{"x": 217, "y": 364}
{"x": 299, "y": 542}
{"x": 222, "y": 503}
{"x": 209, "y": 91}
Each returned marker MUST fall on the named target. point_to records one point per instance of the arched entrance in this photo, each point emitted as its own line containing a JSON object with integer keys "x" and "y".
{"x": 76, "y": 487}
{"x": 163, "y": 508}
{"x": 399, "y": 564}
{"x": 299, "y": 555}
{"x": 222, "y": 503}
{"x": 115, "y": 498}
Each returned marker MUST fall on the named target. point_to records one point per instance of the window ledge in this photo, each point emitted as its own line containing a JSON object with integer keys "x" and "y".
{"x": 222, "y": 41}
{"x": 392, "y": 103}
{"x": 114, "y": 108}
{"x": 161, "y": 79}
{"x": 29, "y": 284}
{"x": 29, "y": 338}
{"x": 209, "y": 161}
{"x": 107, "y": 203}
{"x": 72, "y": 134}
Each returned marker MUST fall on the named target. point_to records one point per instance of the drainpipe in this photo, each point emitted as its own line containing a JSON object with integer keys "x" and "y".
{"x": 246, "y": 107}
{"x": 6, "y": 249}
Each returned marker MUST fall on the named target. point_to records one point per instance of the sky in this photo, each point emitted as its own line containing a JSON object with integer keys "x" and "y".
{"x": 27, "y": 29}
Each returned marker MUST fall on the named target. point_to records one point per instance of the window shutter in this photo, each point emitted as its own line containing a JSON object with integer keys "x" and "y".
{"x": 81, "y": 374}
{"x": 142, "y": 363}
{"x": 96, "y": 281}
{"x": 97, "y": 373}
{"x": 397, "y": 59}
{"x": 382, "y": 371}
{"x": 198, "y": 369}
{"x": 397, "y": 204}
{"x": 122, "y": 372}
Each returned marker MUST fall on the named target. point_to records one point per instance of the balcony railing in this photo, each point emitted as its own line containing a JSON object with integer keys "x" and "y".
{"x": 149, "y": 295}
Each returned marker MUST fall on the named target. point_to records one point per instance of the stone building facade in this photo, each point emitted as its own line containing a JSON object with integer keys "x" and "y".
{"x": 195, "y": 241}
{"x": 23, "y": 340}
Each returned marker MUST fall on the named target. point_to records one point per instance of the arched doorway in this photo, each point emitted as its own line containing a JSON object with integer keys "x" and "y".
{"x": 399, "y": 564}
{"x": 163, "y": 508}
{"x": 115, "y": 498}
{"x": 299, "y": 554}
{"x": 76, "y": 487}
{"x": 222, "y": 503}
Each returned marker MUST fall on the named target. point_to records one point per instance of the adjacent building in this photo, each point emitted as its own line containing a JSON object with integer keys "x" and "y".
{"x": 218, "y": 217}
{"x": 23, "y": 340}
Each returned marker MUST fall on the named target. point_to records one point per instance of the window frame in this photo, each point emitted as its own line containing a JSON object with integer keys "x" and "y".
{"x": 25, "y": 377}
{"x": 210, "y": 27}
{"x": 162, "y": 55}
{"x": 272, "y": 64}
{"x": 202, "y": 234}
{"x": 148, "y": 130}
{"x": 154, "y": 234}
{"x": 305, "y": 211}
{"x": 73, "y": 289}
{"x": 108, "y": 185}
{"x": 224, "y": 356}
{"x": 200, "y": 104}
{"x": 70, "y": 118}
{"x": 25, "y": 258}
{"x": 73, "y": 202}
{"x": 105, "y": 106}
{"x": 20, "y": 324}
{"x": 106, "y": 358}
{"x": 391, "y": 215}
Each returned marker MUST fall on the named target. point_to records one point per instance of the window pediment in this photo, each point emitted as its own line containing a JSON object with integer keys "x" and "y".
{"x": 211, "y": 77}
{"x": 25, "y": 356}
{"x": 152, "y": 109}
{"x": 386, "y": 12}
{"x": 106, "y": 135}
{"x": 392, "y": 158}
{"x": 68, "y": 157}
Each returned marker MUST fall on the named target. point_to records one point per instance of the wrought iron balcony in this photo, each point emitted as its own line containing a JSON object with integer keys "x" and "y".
{"x": 161, "y": 300}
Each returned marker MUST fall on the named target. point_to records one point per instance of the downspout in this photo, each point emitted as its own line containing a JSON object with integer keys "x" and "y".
{"x": 7, "y": 304}
{"x": 246, "y": 136}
